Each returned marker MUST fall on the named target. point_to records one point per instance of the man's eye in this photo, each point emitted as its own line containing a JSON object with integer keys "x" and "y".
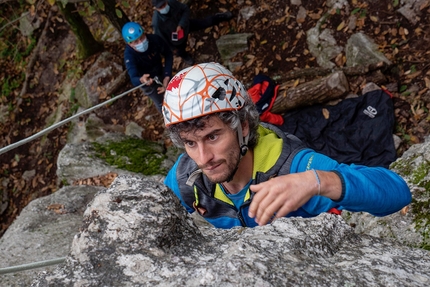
{"x": 189, "y": 144}
{"x": 212, "y": 137}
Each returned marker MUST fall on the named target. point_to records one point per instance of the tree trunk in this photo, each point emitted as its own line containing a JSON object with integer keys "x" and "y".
{"x": 113, "y": 13}
{"x": 87, "y": 45}
{"x": 318, "y": 91}
{"x": 348, "y": 71}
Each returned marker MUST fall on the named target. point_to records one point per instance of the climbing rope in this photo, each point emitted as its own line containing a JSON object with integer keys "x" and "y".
{"x": 33, "y": 265}
{"x": 59, "y": 124}
{"x": 35, "y": 136}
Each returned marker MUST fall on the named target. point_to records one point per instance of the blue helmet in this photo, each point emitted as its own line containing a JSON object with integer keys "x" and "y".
{"x": 131, "y": 31}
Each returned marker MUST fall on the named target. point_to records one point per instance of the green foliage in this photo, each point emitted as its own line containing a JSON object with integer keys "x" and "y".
{"x": 403, "y": 88}
{"x": 420, "y": 205}
{"x": 395, "y": 3}
{"x": 132, "y": 154}
{"x": 10, "y": 84}
{"x": 360, "y": 11}
{"x": 355, "y": 11}
{"x": 101, "y": 5}
{"x": 118, "y": 13}
{"x": 403, "y": 135}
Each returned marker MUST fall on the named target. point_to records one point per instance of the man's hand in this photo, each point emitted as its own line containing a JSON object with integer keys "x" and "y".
{"x": 166, "y": 81}
{"x": 145, "y": 79}
{"x": 161, "y": 90}
{"x": 283, "y": 194}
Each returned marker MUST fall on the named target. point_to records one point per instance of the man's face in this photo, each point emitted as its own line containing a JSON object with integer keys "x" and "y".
{"x": 139, "y": 40}
{"x": 214, "y": 148}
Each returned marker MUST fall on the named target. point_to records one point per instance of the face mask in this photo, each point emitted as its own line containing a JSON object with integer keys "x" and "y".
{"x": 142, "y": 46}
{"x": 165, "y": 10}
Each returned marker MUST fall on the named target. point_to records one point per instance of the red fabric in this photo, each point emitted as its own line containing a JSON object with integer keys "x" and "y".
{"x": 255, "y": 93}
{"x": 335, "y": 211}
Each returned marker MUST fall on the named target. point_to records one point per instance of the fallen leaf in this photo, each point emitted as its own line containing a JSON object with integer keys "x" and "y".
{"x": 340, "y": 26}
{"x": 427, "y": 81}
{"x": 326, "y": 113}
{"x": 249, "y": 62}
{"x": 199, "y": 43}
{"x": 55, "y": 206}
{"x": 404, "y": 210}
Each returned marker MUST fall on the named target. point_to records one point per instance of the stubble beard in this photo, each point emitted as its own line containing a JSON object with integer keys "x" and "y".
{"x": 232, "y": 162}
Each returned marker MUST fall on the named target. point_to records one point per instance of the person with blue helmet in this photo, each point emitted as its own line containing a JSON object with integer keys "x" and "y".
{"x": 237, "y": 171}
{"x": 171, "y": 21}
{"x": 143, "y": 56}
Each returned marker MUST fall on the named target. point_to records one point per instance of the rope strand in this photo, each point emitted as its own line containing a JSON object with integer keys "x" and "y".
{"x": 59, "y": 124}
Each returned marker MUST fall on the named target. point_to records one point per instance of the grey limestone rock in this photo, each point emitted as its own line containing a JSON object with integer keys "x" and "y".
{"x": 44, "y": 230}
{"x": 136, "y": 233}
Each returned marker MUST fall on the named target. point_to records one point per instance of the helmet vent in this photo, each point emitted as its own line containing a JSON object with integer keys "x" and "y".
{"x": 219, "y": 94}
{"x": 233, "y": 94}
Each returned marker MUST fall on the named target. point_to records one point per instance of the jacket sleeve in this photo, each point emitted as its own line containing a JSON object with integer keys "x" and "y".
{"x": 172, "y": 183}
{"x": 376, "y": 190}
{"x": 131, "y": 66}
{"x": 184, "y": 12}
{"x": 168, "y": 57}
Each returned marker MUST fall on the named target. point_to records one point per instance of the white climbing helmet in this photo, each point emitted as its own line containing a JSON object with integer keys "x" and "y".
{"x": 201, "y": 90}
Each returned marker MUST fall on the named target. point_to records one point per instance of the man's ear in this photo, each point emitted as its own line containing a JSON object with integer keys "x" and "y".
{"x": 245, "y": 129}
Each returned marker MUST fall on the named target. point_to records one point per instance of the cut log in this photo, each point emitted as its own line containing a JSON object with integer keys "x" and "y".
{"x": 319, "y": 72}
{"x": 318, "y": 91}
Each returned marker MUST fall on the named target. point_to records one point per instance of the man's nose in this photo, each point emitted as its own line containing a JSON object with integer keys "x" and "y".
{"x": 205, "y": 153}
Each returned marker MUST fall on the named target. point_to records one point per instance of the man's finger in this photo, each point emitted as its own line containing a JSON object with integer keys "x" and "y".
{"x": 258, "y": 196}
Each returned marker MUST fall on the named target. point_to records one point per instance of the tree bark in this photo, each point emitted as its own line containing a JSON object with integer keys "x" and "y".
{"x": 113, "y": 13}
{"x": 348, "y": 71}
{"x": 332, "y": 87}
{"x": 87, "y": 45}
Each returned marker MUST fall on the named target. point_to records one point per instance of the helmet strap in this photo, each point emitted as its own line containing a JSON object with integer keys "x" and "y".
{"x": 243, "y": 141}
{"x": 243, "y": 145}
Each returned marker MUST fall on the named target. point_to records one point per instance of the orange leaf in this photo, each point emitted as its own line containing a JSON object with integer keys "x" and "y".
{"x": 326, "y": 113}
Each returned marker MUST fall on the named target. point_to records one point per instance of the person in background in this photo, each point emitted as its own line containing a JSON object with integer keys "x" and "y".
{"x": 237, "y": 171}
{"x": 143, "y": 60}
{"x": 171, "y": 21}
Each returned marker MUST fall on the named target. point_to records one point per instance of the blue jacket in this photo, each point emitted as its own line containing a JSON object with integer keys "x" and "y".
{"x": 376, "y": 190}
{"x": 150, "y": 61}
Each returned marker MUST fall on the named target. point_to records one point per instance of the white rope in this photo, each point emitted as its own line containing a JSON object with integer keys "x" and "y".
{"x": 59, "y": 124}
{"x": 33, "y": 265}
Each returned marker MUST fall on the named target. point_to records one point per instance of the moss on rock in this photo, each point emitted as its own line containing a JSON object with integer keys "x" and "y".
{"x": 133, "y": 154}
{"x": 416, "y": 171}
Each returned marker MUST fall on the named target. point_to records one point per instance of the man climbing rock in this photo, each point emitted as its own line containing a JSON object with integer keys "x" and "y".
{"x": 239, "y": 172}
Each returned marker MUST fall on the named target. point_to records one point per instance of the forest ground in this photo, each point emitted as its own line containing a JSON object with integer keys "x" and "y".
{"x": 277, "y": 47}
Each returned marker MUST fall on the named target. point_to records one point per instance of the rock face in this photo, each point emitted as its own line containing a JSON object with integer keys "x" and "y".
{"x": 136, "y": 233}
{"x": 411, "y": 226}
{"x": 43, "y": 231}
